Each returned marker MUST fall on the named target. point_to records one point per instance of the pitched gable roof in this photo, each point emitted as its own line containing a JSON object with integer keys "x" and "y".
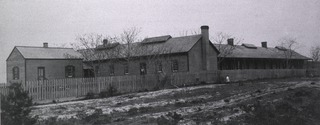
{"x": 48, "y": 53}
{"x": 170, "y": 46}
{"x": 259, "y": 52}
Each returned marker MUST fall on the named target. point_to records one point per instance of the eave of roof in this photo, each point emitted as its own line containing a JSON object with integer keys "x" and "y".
{"x": 260, "y": 52}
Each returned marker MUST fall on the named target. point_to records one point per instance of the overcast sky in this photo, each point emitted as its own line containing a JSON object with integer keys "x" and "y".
{"x": 32, "y": 22}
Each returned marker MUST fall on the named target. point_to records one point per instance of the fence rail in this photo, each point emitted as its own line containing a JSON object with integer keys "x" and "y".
{"x": 78, "y": 87}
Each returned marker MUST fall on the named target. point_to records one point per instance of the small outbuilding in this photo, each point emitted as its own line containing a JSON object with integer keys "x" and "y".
{"x": 26, "y": 63}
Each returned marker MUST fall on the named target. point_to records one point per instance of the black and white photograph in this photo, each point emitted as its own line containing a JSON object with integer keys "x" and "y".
{"x": 159, "y": 62}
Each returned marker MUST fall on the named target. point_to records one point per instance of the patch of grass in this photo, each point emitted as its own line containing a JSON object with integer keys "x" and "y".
{"x": 134, "y": 111}
{"x": 180, "y": 104}
{"x": 169, "y": 119}
{"x": 97, "y": 118}
{"x": 299, "y": 106}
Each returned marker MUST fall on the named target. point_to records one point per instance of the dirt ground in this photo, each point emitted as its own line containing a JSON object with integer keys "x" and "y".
{"x": 203, "y": 104}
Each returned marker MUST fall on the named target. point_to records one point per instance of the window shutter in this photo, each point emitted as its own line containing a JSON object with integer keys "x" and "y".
{"x": 18, "y": 72}
{"x": 66, "y": 71}
{"x": 15, "y": 72}
{"x": 73, "y": 71}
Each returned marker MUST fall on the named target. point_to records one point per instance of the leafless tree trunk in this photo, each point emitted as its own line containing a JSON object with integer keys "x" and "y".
{"x": 315, "y": 53}
{"x": 129, "y": 37}
{"x": 88, "y": 46}
{"x": 290, "y": 44}
{"x": 225, "y": 50}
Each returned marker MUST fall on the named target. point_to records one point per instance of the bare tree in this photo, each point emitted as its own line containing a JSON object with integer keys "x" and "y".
{"x": 315, "y": 53}
{"x": 129, "y": 38}
{"x": 89, "y": 45}
{"x": 288, "y": 46}
{"x": 225, "y": 50}
{"x": 189, "y": 32}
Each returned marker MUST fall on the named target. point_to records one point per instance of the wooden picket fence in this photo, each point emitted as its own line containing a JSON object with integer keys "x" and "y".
{"x": 78, "y": 87}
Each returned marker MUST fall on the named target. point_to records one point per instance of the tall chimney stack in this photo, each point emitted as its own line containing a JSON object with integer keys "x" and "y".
{"x": 204, "y": 45}
{"x": 230, "y": 41}
{"x": 105, "y": 42}
{"x": 45, "y": 45}
{"x": 264, "y": 44}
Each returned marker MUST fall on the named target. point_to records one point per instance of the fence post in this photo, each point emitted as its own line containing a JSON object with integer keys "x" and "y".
{"x": 98, "y": 81}
{"x": 119, "y": 83}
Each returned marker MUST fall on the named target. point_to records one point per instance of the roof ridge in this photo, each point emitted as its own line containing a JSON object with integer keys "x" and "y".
{"x": 44, "y": 47}
{"x": 246, "y": 43}
{"x": 187, "y": 36}
{"x": 157, "y": 36}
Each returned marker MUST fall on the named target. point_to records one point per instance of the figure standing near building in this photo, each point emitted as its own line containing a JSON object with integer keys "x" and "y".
{"x": 227, "y": 79}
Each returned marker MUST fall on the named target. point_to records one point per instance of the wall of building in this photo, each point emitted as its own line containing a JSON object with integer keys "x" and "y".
{"x": 15, "y": 59}
{"x": 254, "y": 63}
{"x": 54, "y": 69}
{"x": 212, "y": 57}
{"x": 195, "y": 64}
{"x": 251, "y": 74}
{"x": 195, "y": 58}
{"x": 134, "y": 65}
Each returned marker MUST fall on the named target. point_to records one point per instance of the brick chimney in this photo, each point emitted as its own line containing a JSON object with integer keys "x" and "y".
{"x": 264, "y": 44}
{"x": 204, "y": 45}
{"x": 230, "y": 41}
{"x": 45, "y": 45}
{"x": 105, "y": 42}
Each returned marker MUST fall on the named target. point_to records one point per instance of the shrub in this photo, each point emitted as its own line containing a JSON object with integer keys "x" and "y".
{"x": 16, "y": 107}
{"x": 169, "y": 119}
{"x": 156, "y": 88}
{"x": 54, "y": 101}
{"x": 89, "y": 95}
{"x": 226, "y": 100}
{"x": 133, "y": 111}
{"x": 203, "y": 82}
{"x": 112, "y": 91}
{"x": 103, "y": 94}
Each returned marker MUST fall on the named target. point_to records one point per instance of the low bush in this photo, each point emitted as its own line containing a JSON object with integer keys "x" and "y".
{"x": 226, "y": 100}
{"x": 112, "y": 91}
{"x": 133, "y": 111}
{"x": 16, "y": 107}
{"x": 103, "y": 94}
{"x": 169, "y": 119}
{"x": 90, "y": 95}
{"x": 156, "y": 88}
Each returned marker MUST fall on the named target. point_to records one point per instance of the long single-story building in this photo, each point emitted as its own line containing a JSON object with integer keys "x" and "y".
{"x": 194, "y": 53}
{"x": 249, "y": 56}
